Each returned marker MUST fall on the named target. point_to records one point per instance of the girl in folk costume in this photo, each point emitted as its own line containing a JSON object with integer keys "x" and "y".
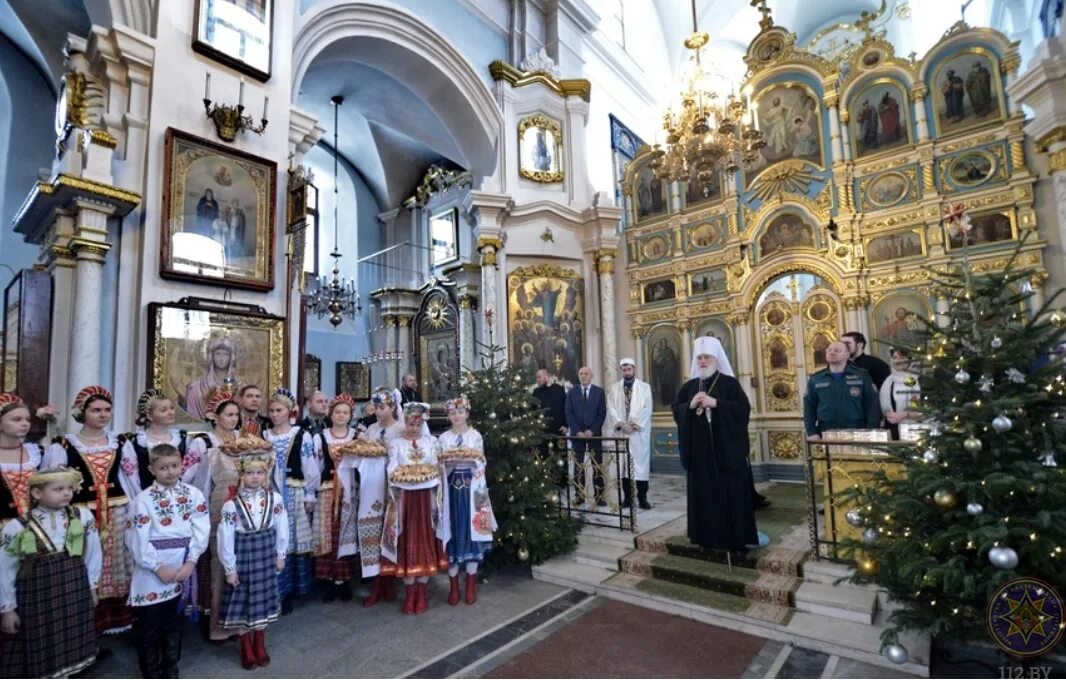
{"x": 296, "y": 478}
{"x": 18, "y": 460}
{"x": 155, "y": 415}
{"x": 416, "y": 529}
{"x": 467, "y": 499}
{"x": 334, "y": 521}
{"x": 50, "y": 562}
{"x": 111, "y": 484}
{"x": 253, "y": 538}
{"x": 212, "y": 469}
{"x": 365, "y": 460}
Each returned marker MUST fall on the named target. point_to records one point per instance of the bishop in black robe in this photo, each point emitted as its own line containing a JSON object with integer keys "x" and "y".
{"x": 714, "y": 453}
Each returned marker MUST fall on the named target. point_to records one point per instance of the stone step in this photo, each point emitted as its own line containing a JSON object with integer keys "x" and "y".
{"x": 847, "y": 604}
{"x": 682, "y": 593}
{"x": 604, "y": 555}
{"x": 836, "y": 636}
{"x": 601, "y": 536}
{"x": 572, "y": 574}
{"x": 831, "y": 574}
{"x": 690, "y": 572}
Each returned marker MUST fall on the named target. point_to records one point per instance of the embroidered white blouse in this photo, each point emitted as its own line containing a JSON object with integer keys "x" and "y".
{"x": 54, "y": 523}
{"x": 161, "y": 513}
{"x": 142, "y": 440}
{"x": 384, "y": 434}
{"x": 56, "y": 455}
{"x": 407, "y": 452}
{"x": 255, "y": 501}
{"x": 195, "y": 467}
{"x": 308, "y": 460}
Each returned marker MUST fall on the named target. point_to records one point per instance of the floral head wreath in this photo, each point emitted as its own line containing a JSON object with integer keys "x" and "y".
{"x": 216, "y": 398}
{"x": 57, "y": 474}
{"x": 146, "y": 403}
{"x": 10, "y": 400}
{"x": 85, "y": 396}
{"x": 284, "y": 396}
{"x": 383, "y": 398}
{"x": 459, "y": 402}
{"x": 255, "y": 461}
{"x": 415, "y": 409}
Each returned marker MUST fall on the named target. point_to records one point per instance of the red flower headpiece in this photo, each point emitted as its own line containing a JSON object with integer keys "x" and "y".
{"x": 216, "y": 398}
{"x": 342, "y": 398}
{"x": 9, "y": 398}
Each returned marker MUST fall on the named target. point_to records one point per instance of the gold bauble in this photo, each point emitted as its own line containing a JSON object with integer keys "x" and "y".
{"x": 910, "y": 381}
{"x": 523, "y": 555}
{"x": 868, "y": 566}
{"x": 972, "y": 445}
{"x": 1058, "y": 319}
{"x": 945, "y": 498}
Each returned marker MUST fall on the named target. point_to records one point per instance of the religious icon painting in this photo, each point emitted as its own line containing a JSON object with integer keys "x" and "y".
{"x": 659, "y": 291}
{"x": 663, "y": 348}
{"x": 967, "y": 92}
{"x": 218, "y": 214}
{"x": 655, "y": 247}
{"x": 879, "y": 118}
{"x": 971, "y": 169}
{"x": 892, "y": 247}
{"x": 353, "y": 379}
{"x": 703, "y": 235}
{"x": 709, "y": 282}
{"x": 546, "y": 319}
{"x": 540, "y": 149}
{"x": 886, "y": 190}
{"x": 985, "y": 229}
{"x": 697, "y": 192}
{"x": 312, "y": 381}
{"x": 237, "y": 33}
{"x": 648, "y": 194}
{"x": 897, "y": 320}
{"x": 438, "y": 366}
{"x": 196, "y": 346}
{"x": 788, "y": 231}
{"x": 790, "y": 120}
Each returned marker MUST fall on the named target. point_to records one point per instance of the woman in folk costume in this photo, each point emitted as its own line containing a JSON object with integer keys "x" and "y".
{"x": 334, "y": 521}
{"x": 110, "y": 474}
{"x": 372, "y": 484}
{"x": 466, "y": 496}
{"x": 296, "y": 478}
{"x": 253, "y": 538}
{"x": 213, "y": 471}
{"x": 49, "y": 570}
{"x": 155, "y": 416}
{"x": 416, "y": 529}
{"x": 18, "y": 460}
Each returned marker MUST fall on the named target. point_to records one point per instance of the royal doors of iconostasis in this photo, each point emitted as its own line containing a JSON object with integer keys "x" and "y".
{"x": 793, "y": 321}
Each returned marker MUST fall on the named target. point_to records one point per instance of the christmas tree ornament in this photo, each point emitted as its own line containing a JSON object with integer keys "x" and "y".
{"x": 854, "y": 518}
{"x": 1058, "y": 319}
{"x": 945, "y": 498}
{"x": 868, "y": 566}
{"x": 935, "y": 430}
{"x": 985, "y": 383}
{"x": 931, "y": 456}
{"x": 896, "y": 653}
{"x": 492, "y": 415}
{"x": 972, "y": 445}
{"x": 1003, "y": 557}
{"x": 962, "y": 377}
{"x": 1047, "y": 459}
{"x": 1001, "y": 424}
{"x": 554, "y": 499}
{"x": 910, "y": 381}
{"x": 996, "y": 342}
{"x": 523, "y": 555}
{"x": 974, "y": 508}
{"x": 1027, "y": 287}
{"x": 510, "y": 499}
{"x": 1015, "y": 376}
{"x": 870, "y": 536}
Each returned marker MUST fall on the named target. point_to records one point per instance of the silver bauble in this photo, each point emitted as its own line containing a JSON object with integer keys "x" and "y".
{"x": 854, "y": 518}
{"x": 931, "y": 456}
{"x": 1001, "y": 424}
{"x": 974, "y": 509}
{"x": 962, "y": 377}
{"x": 996, "y": 342}
{"x": 1003, "y": 557}
{"x": 896, "y": 653}
{"x": 972, "y": 445}
{"x": 870, "y": 536}
{"x": 523, "y": 555}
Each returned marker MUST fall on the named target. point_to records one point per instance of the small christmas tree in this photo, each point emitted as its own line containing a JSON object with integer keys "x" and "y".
{"x": 982, "y": 499}
{"x": 521, "y": 481}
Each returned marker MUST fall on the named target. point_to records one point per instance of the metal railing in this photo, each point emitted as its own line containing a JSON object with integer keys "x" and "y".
{"x": 613, "y": 463}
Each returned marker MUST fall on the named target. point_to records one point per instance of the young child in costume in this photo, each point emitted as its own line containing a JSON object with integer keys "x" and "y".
{"x": 50, "y": 563}
{"x": 296, "y": 478}
{"x": 416, "y": 525}
{"x": 155, "y": 416}
{"x": 110, "y": 474}
{"x": 467, "y": 498}
{"x": 170, "y": 530}
{"x": 253, "y": 538}
{"x": 334, "y": 519}
{"x": 373, "y": 486}
{"x": 18, "y": 460}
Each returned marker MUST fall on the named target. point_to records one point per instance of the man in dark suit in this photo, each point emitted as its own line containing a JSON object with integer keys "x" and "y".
{"x": 586, "y": 409}
{"x": 552, "y": 398}
{"x": 409, "y": 389}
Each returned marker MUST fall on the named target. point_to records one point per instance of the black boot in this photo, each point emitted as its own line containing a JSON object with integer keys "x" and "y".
{"x": 344, "y": 592}
{"x": 286, "y": 605}
{"x": 642, "y": 495}
{"x": 171, "y": 653}
{"x": 627, "y": 492}
{"x": 329, "y": 591}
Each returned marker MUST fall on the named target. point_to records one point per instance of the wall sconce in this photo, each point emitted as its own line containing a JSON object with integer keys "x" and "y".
{"x": 229, "y": 120}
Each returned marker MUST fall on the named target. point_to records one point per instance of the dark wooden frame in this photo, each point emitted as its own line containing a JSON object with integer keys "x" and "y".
{"x": 206, "y": 49}
{"x": 310, "y": 360}
{"x": 165, "y": 269}
{"x": 34, "y": 343}
{"x": 337, "y": 381}
{"x": 425, "y": 329}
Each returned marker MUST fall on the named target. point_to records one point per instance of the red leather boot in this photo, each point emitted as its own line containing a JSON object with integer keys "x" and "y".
{"x": 259, "y": 640}
{"x": 453, "y": 595}
{"x": 377, "y": 593}
{"x": 420, "y": 602}
{"x": 471, "y": 588}
{"x": 409, "y": 596}
{"x": 390, "y": 588}
{"x": 247, "y": 653}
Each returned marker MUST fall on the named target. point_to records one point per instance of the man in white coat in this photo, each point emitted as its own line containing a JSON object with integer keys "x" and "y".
{"x": 629, "y": 415}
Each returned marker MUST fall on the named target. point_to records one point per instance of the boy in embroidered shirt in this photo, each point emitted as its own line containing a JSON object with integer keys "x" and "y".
{"x": 170, "y": 530}
{"x": 50, "y": 562}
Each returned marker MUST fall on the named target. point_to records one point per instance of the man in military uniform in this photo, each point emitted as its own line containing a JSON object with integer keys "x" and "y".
{"x": 840, "y": 397}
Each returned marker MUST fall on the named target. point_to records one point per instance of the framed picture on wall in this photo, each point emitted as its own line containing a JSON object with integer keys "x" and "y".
{"x": 196, "y": 346}
{"x": 218, "y": 214}
{"x": 444, "y": 236}
{"x": 312, "y": 375}
{"x": 237, "y": 33}
{"x": 353, "y": 378}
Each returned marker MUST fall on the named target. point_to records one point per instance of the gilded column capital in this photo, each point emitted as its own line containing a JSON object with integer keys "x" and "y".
{"x": 403, "y": 321}
{"x": 1038, "y": 279}
{"x": 89, "y": 248}
{"x": 919, "y": 92}
{"x": 389, "y": 320}
{"x": 845, "y": 116}
{"x": 855, "y": 302}
{"x": 637, "y": 332}
{"x": 1010, "y": 63}
{"x": 1056, "y": 135}
{"x": 831, "y": 100}
{"x": 1056, "y": 161}
{"x": 488, "y": 246}
{"x": 605, "y": 260}
{"x": 684, "y": 325}
{"x": 739, "y": 318}
{"x": 467, "y": 301}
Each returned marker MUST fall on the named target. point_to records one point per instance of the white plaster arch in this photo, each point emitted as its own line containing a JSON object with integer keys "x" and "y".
{"x": 468, "y": 110}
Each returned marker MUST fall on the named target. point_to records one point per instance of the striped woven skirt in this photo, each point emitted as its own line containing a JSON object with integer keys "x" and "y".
{"x": 418, "y": 550}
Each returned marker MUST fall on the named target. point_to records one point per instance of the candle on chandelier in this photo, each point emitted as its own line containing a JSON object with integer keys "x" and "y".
{"x": 207, "y": 85}
{"x": 240, "y": 101}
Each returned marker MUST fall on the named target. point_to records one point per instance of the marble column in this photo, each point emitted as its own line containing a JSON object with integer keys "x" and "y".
{"x": 488, "y": 247}
{"x": 686, "y": 347}
{"x": 467, "y": 350}
{"x": 638, "y": 338}
{"x": 845, "y": 139}
{"x": 391, "y": 367}
{"x": 831, "y": 102}
{"x": 605, "y": 268}
{"x": 403, "y": 344}
{"x": 743, "y": 365}
{"x": 918, "y": 94}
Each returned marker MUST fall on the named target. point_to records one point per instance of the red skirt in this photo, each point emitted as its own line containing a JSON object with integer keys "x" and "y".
{"x": 330, "y": 567}
{"x": 419, "y": 552}
{"x": 113, "y": 616}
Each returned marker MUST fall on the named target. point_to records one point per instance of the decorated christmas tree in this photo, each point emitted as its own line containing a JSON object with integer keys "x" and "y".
{"x": 520, "y": 476}
{"x": 982, "y": 500}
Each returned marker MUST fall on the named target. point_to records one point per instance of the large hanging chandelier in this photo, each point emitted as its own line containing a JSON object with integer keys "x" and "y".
{"x": 705, "y": 134}
{"x": 336, "y": 297}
